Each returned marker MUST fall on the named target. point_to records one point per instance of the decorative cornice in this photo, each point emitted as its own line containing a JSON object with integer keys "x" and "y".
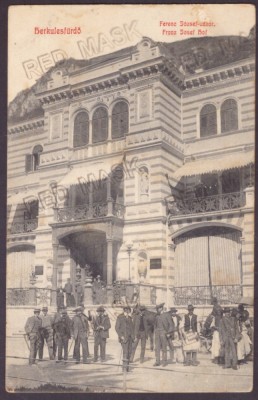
{"x": 26, "y": 126}
{"x": 217, "y": 75}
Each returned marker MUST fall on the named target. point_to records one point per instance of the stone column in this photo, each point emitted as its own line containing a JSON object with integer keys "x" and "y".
{"x": 218, "y": 120}
{"x": 109, "y": 261}
{"x": 54, "y": 276}
{"x": 249, "y": 197}
{"x": 109, "y": 139}
{"x": 91, "y": 200}
{"x": 109, "y": 197}
{"x": 171, "y": 252}
{"x": 90, "y": 139}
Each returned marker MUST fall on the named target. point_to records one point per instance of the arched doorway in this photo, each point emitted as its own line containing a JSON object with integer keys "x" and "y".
{"x": 90, "y": 247}
{"x": 208, "y": 262}
{"x": 20, "y": 264}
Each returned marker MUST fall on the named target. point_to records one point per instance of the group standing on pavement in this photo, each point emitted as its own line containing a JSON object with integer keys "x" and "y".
{"x": 230, "y": 329}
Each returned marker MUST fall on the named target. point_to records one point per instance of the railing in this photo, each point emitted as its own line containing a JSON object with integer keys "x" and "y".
{"x": 194, "y": 205}
{"x": 28, "y": 296}
{"x": 25, "y": 226}
{"x": 201, "y": 295}
{"x": 97, "y": 210}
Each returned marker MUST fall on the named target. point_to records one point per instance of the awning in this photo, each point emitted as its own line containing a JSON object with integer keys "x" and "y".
{"x": 91, "y": 172}
{"x": 222, "y": 163}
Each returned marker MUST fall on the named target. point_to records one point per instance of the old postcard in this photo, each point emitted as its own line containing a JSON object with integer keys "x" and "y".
{"x": 130, "y": 242}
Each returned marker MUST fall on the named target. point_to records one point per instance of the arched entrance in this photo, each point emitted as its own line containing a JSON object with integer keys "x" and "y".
{"x": 88, "y": 248}
{"x": 20, "y": 264}
{"x": 208, "y": 262}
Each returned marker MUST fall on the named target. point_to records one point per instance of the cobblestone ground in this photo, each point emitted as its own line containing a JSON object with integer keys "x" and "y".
{"x": 108, "y": 376}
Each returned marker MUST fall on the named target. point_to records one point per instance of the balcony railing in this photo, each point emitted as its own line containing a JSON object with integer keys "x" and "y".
{"x": 25, "y": 226}
{"x": 82, "y": 212}
{"x": 194, "y": 205}
{"x": 200, "y": 295}
{"x": 28, "y": 296}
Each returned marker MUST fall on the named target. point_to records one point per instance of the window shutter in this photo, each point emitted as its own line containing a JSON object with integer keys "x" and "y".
{"x": 229, "y": 116}
{"x": 81, "y": 130}
{"x": 28, "y": 162}
{"x": 208, "y": 120}
{"x": 119, "y": 120}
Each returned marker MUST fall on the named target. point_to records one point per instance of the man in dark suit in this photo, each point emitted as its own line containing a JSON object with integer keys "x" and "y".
{"x": 163, "y": 327}
{"x": 101, "y": 326}
{"x": 68, "y": 289}
{"x": 230, "y": 335}
{"x": 140, "y": 331}
{"x": 125, "y": 330}
{"x": 63, "y": 333}
{"x": 32, "y": 328}
{"x": 191, "y": 331}
{"x": 80, "y": 331}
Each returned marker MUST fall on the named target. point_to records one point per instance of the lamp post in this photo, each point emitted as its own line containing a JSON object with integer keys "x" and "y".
{"x": 129, "y": 251}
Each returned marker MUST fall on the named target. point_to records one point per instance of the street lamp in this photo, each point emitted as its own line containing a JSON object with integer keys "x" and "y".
{"x": 129, "y": 251}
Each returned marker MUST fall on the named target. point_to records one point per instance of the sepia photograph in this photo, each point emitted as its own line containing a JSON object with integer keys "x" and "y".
{"x": 130, "y": 198}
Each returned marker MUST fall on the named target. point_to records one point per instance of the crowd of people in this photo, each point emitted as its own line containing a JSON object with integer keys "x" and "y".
{"x": 180, "y": 336}
{"x": 72, "y": 296}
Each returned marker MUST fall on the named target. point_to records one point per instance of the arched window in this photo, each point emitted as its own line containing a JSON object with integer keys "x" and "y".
{"x": 229, "y": 116}
{"x": 32, "y": 160}
{"x": 81, "y": 129}
{"x": 119, "y": 120}
{"x": 208, "y": 120}
{"x": 100, "y": 125}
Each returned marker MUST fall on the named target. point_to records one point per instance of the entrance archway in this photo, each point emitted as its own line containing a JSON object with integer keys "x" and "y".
{"x": 88, "y": 248}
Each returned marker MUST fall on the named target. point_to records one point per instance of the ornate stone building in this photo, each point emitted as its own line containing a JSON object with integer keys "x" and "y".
{"x": 139, "y": 164}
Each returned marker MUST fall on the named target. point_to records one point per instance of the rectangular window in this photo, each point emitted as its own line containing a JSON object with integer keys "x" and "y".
{"x": 39, "y": 269}
{"x": 28, "y": 162}
{"x": 155, "y": 263}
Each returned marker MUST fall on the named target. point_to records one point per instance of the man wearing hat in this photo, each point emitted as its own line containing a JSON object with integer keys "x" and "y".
{"x": 89, "y": 319}
{"x": 140, "y": 332}
{"x": 191, "y": 337}
{"x": 68, "y": 289}
{"x": 32, "y": 327}
{"x": 163, "y": 328}
{"x": 101, "y": 326}
{"x": 57, "y": 317}
{"x": 175, "y": 342}
{"x": 230, "y": 335}
{"x": 46, "y": 334}
{"x": 63, "y": 333}
{"x": 125, "y": 330}
{"x": 80, "y": 332}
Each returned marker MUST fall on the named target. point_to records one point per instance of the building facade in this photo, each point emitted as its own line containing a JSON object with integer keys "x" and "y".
{"x": 140, "y": 168}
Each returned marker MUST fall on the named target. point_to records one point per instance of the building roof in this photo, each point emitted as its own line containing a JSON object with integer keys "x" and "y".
{"x": 189, "y": 56}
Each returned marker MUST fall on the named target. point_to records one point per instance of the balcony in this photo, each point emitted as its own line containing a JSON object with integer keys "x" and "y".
{"x": 24, "y": 227}
{"x": 87, "y": 212}
{"x": 201, "y": 295}
{"x": 207, "y": 204}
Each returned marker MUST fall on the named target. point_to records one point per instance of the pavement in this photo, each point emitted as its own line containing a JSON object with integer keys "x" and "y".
{"x": 108, "y": 376}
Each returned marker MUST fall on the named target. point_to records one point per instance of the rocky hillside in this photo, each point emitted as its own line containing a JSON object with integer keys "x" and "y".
{"x": 189, "y": 56}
